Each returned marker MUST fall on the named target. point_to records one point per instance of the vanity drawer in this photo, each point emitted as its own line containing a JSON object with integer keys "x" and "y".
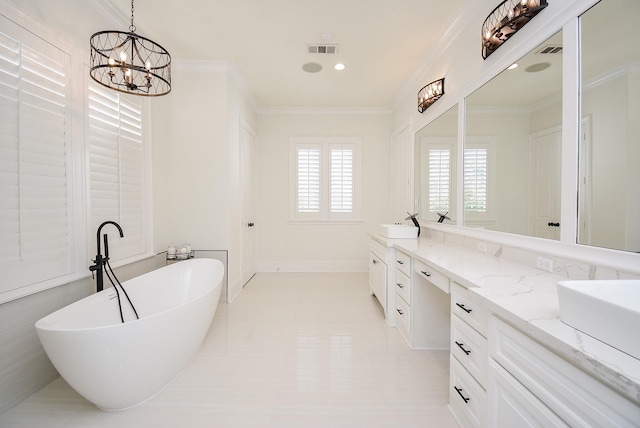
{"x": 403, "y": 286}
{"x": 403, "y": 262}
{"x": 466, "y": 397}
{"x": 403, "y": 316}
{"x": 433, "y": 276}
{"x": 470, "y": 348}
{"x": 468, "y": 308}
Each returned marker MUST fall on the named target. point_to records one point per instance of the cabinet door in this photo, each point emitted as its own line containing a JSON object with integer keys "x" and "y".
{"x": 512, "y": 405}
{"x": 378, "y": 279}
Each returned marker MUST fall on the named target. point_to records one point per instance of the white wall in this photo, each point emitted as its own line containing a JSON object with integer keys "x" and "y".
{"x": 317, "y": 247}
{"x": 196, "y": 162}
{"x": 192, "y": 128}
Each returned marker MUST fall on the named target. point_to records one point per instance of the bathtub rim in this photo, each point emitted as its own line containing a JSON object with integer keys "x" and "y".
{"x": 40, "y": 324}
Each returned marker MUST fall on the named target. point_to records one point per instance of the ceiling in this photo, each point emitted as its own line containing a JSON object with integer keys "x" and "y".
{"x": 381, "y": 42}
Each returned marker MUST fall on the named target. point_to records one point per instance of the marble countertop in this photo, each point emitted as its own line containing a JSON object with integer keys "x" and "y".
{"x": 527, "y": 298}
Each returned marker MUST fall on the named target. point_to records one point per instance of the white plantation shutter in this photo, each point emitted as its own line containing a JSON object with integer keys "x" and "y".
{"x": 116, "y": 171}
{"x": 308, "y": 180}
{"x": 35, "y": 168}
{"x": 439, "y": 179}
{"x": 324, "y": 179}
{"x": 341, "y": 180}
{"x": 475, "y": 180}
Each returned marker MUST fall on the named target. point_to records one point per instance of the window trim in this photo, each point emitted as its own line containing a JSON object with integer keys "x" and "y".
{"x": 325, "y": 216}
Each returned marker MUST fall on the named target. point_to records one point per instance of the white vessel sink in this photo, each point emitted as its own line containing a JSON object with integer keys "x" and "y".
{"x": 398, "y": 231}
{"x": 608, "y": 310}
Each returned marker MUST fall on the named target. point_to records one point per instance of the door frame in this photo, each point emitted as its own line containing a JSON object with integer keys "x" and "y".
{"x": 247, "y": 273}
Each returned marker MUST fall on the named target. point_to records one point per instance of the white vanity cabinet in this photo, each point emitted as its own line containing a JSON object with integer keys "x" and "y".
{"x": 469, "y": 358}
{"x": 402, "y": 290}
{"x": 529, "y": 385}
{"x": 378, "y": 272}
{"x": 422, "y": 303}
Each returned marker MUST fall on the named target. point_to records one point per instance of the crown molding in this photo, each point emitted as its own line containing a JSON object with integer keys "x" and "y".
{"x": 107, "y": 10}
{"x": 325, "y": 110}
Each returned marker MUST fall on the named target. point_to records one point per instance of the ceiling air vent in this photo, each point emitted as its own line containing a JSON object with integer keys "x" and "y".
{"x": 322, "y": 49}
{"x": 550, "y": 49}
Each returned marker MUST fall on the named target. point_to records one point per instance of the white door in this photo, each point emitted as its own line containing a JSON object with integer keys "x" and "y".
{"x": 247, "y": 140}
{"x": 545, "y": 175}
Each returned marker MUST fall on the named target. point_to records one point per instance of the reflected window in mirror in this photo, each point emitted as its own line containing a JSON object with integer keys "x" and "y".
{"x": 435, "y": 156}
{"x": 609, "y": 151}
{"x": 516, "y": 117}
{"x": 478, "y": 183}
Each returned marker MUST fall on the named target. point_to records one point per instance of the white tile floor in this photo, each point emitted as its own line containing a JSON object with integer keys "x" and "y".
{"x": 293, "y": 350}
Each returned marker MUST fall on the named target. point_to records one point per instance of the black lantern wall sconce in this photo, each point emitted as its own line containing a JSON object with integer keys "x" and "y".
{"x": 429, "y": 94}
{"x": 505, "y": 20}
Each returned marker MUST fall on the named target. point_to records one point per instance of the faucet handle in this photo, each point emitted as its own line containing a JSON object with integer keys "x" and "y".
{"x": 106, "y": 246}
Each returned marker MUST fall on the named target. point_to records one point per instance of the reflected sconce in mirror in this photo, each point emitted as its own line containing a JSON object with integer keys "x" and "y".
{"x": 505, "y": 20}
{"x": 430, "y": 94}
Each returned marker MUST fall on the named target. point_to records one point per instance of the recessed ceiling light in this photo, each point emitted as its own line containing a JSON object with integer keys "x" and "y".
{"x": 339, "y": 66}
{"x": 512, "y": 66}
{"x": 312, "y": 67}
{"x": 537, "y": 67}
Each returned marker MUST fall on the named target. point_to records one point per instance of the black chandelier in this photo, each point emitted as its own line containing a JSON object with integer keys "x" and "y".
{"x": 505, "y": 20}
{"x": 130, "y": 63}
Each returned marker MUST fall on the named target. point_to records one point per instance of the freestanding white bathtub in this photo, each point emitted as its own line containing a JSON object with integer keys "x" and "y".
{"x": 116, "y": 365}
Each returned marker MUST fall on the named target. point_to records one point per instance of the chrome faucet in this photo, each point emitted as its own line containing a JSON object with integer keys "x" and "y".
{"x": 100, "y": 261}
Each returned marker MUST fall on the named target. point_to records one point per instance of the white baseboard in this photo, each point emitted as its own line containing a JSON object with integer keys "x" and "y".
{"x": 288, "y": 266}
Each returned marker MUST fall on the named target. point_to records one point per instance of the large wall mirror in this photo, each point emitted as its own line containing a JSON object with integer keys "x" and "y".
{"x": 435, "y": 158}
{"x": 609, "y": 152}
{"x": 512, "y": 147}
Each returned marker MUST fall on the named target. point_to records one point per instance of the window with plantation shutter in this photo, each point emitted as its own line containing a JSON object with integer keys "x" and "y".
{"x": 476, "y": 182}
{"x": 117, "y": 183}
{"x": 341, "y": 180}
{"x": 35, "y": 168}
{"x": 324, "y": 179}
{"x": 308, "y": 180}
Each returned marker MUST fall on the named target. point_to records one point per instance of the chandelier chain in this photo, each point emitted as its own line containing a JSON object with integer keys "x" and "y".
{"x": 132, "y": 27}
